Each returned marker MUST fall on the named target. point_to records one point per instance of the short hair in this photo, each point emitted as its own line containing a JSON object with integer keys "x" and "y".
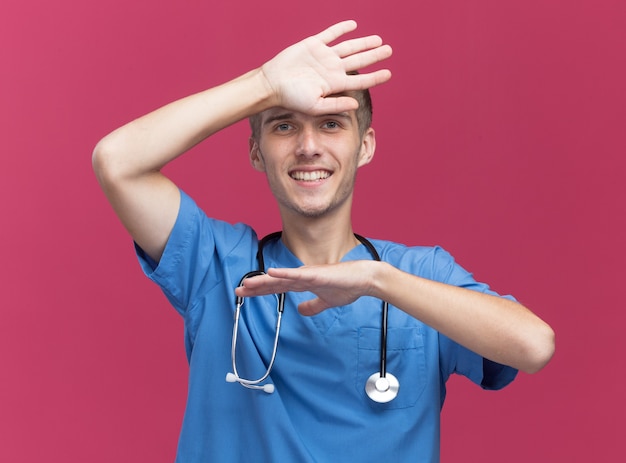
{"x": 363, "y": 112}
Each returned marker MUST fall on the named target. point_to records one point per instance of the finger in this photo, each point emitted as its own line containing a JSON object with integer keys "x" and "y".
{"x": 336, "y": 30}
{"x": 244, "y": 291}
{"x": 366, "y": 58}
{"x": 357, "y": 82}
{"x": 266, "y": 284}
{"x": 334, "y": 105}
{"x": 285, "y": 272}
{"x": 304, "y": 275}
{"x": 258, "y": 286}
{"x": 352, "y": 46}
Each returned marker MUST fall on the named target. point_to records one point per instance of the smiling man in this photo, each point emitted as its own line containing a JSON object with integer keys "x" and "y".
{"x": 338, "y": 375}
{"x": 311, "y": 161}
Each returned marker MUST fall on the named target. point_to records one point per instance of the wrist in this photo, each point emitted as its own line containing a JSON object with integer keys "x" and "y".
{"x": 378, "y": 279}
{"x": 266, "y": 89}
{"x": 244, "y": 96}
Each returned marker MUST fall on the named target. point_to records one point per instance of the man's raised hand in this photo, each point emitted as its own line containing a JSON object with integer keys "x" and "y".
{"x": 310, "y": 76}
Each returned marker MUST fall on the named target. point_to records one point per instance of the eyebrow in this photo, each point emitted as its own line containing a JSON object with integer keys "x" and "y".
{"x": 290, "y": 115}
{"x": 278, "y": 117}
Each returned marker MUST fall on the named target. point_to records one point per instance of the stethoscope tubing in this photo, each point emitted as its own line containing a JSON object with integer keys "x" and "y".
{"x": 384, "y": 315}
{"x": 234, "y": 376}
{"x": 380, "y": 387}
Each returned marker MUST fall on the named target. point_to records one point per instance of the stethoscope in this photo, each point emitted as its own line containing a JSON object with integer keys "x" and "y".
{"x": 381, "y": 386}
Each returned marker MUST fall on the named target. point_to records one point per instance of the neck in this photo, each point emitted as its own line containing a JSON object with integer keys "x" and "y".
{"x": 317, "y": 242}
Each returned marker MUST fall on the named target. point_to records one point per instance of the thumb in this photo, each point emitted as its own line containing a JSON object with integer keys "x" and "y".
{"x": 312, "y": 307}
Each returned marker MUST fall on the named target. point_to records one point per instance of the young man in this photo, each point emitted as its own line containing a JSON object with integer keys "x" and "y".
{"x": 331, "y": 357}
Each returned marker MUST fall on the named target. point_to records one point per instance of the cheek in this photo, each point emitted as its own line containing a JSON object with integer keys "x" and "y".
{"x": 273, "y": 157}
{"x": 272, "y": 174}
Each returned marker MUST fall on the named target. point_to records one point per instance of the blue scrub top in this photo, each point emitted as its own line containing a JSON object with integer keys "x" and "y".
{"x": 319, "y": 411}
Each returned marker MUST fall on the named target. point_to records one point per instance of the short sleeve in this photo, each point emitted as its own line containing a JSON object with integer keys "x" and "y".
{"x": 196, "y": 250}
{"x": 456, "y": 358}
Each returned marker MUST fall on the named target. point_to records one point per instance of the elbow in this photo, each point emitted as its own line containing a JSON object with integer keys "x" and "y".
{"x": 541, "y": 351}
{"x": 97, "y": 159}
{"x": 107, "y": 161}
{"x": 101, "y": 159}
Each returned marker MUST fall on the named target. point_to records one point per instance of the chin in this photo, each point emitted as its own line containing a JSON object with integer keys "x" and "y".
{"x": 316, "y": 209}
{"x": 310, "y": 210}
{"x": 312, "y": 213}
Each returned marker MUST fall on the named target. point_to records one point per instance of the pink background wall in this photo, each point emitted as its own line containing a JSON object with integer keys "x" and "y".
{"x": 501, "y": 137}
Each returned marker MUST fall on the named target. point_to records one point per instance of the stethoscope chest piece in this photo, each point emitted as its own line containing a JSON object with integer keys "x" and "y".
{"x": 382, "y": 389}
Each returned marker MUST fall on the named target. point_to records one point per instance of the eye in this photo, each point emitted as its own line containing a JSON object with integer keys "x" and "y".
{"x": 283, "y": 127}
{"x": 331, "y": 125}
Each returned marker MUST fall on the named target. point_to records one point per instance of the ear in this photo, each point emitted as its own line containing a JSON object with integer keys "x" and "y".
{"x": 368, "y": 147}
{"x": 256, "y": 157}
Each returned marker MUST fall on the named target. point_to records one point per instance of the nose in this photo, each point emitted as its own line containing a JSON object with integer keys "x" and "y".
{"x": 308, "y": 142}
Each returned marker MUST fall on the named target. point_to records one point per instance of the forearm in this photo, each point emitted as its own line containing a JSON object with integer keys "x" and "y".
{"x": 150, "y": 142}
{"x": 494, "y": 327}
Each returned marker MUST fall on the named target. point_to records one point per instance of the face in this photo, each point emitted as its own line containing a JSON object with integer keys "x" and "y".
{"x": 311, "y": 161}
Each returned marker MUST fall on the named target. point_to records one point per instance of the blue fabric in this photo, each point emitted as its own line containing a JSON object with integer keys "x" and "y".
{"x": 319, "y": 411}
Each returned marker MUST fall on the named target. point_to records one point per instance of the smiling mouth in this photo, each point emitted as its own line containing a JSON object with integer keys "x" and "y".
{"x": 310, "y": 176}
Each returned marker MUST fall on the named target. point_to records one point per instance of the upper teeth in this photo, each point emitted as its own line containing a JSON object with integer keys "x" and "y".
{"x": 310, "y": 176}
